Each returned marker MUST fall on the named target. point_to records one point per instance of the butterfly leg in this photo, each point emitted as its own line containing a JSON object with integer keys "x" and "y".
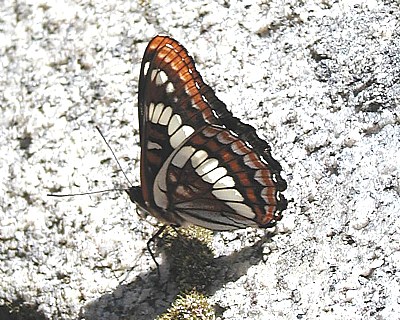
{"x": 152, "y": 239}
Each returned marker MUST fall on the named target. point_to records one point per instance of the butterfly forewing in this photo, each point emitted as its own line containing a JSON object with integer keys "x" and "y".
{"x": 171, "y": 105}
{"x": 199, "y": 164}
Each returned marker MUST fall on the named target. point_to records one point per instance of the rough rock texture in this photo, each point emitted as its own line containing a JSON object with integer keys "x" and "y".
{"x": 320, "y": 80}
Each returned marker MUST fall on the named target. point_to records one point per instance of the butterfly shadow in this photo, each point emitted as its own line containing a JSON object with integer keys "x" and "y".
{"x": 150, "y": 295}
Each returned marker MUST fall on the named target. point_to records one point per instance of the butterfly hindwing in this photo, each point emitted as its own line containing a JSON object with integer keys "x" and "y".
{"x": 216, "y": 181}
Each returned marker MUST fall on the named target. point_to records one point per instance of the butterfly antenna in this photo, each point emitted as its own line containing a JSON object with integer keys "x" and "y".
{"x": 159, "y": 231}
{"x": 82, "y": 193}
{"x": 115, "y": 158}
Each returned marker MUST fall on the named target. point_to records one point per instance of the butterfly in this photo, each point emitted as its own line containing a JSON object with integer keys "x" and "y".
{"x": 199, "y": 165}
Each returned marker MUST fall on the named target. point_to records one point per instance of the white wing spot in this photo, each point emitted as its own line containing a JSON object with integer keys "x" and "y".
{"x": 204, "y": 98}
{"x": 263, "y": 177}
{"x": 207, "y": 166}
{"x": 225, "y": 138}
{"x": 210, "y": 132}
{"x": 242, "y": 209}
{"x": 198, "y": 158}
{"x": 240, "y": 148}
{"x": 265, "y": 193}
{"x": 157, "y": 112}
{"x": 214, "y": 175}
{"x": 180, "y": 135}
{"x": 225, "y": 182}
{"x": 165, "y": 116}
{"x": 182, "y": 156}
{"x": 151, "y": 110}
{"x": 153, "y": 74}
{"x": 153, "y": 145}
{"x": 228, "y": 195}
{"x": 161, "y": 78}
{"x": 146, "y": 68}
{"x": 170, "y": 87}
{"x": 174, "y": 124}
{"x": 253, "y": 164}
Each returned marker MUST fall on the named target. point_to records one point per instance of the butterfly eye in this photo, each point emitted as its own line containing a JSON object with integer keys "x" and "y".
{"x": 200, "y": 165}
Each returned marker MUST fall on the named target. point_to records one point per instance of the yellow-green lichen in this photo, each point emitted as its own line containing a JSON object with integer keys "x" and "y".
{"x": 189, "y": 306}
{"x": 190, "y": 257}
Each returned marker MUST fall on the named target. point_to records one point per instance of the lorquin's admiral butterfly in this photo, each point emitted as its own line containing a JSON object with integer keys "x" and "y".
{"x": 200, "y": 165}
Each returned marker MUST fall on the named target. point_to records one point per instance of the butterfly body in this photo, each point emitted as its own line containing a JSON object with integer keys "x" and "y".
{"x": 199, "y": 164}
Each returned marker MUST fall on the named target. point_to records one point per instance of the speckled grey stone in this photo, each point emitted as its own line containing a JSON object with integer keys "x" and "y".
{"x": 320, "y": 80}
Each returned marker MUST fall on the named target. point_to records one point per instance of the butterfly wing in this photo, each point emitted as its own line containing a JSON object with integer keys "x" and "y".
{"x": 171, "y": 106}
{"x": 177, "y": 113}
{"x": 215, "y": 180}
